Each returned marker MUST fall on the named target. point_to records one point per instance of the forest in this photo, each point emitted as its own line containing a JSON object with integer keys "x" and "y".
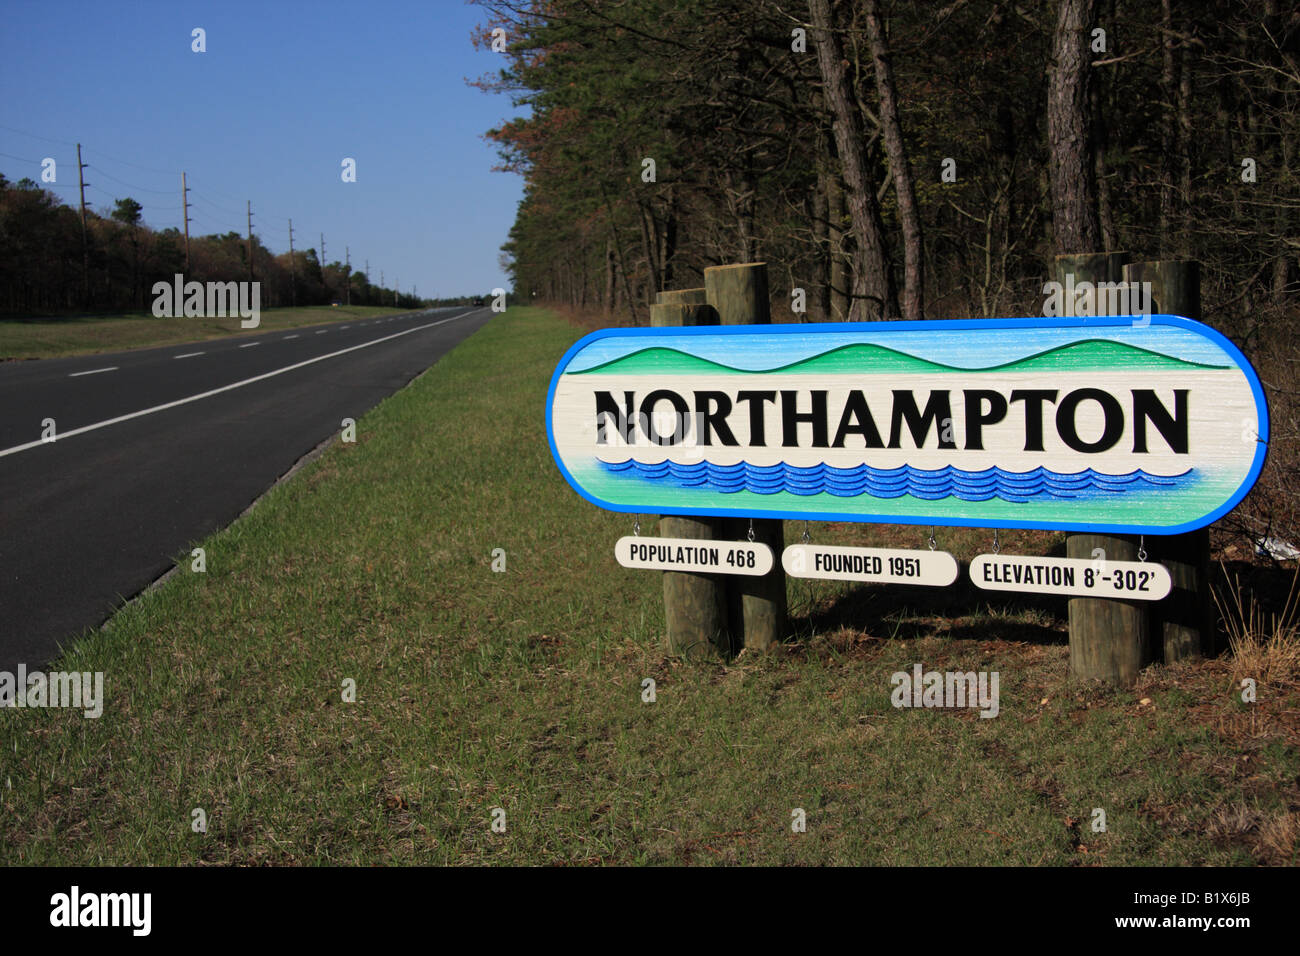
{"x": 911, "y": 160}
{"x": 50, "y": 265}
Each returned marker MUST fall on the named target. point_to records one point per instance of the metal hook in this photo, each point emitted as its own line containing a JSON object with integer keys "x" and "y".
{"x": 1142, "y": 550}
{"x": 636, "y": 528}
{"x": 997, "y": 545}
{"x": 806, "y": 537}
{"x": 751, "y": 530}
{"x": 933, "y": 544}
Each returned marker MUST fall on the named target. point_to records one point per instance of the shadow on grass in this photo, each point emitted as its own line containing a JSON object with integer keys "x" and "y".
{"x": 961, "y": 611}
{"x": 964, "y": 612}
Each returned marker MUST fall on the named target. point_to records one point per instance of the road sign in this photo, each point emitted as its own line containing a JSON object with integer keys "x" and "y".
{"x": 1115, "y": 424}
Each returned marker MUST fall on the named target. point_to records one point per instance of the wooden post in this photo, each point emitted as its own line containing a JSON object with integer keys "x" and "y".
{"x": 695, "y": 605}
{"x": 1109, "y": 640}
{"x": 250, "y": 240}
{"x": 1184, "y": 623}
{"x": 757, "y": 604}
{"x": 682, "y": 297}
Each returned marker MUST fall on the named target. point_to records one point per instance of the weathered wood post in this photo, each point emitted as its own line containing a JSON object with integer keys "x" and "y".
{"x": 758, "y": 604}
{"x": 682, "y": 297}
{"x": 1183, "y": 623}
{"x": 695, "y": 605}
{"x": 1109, "y": 640}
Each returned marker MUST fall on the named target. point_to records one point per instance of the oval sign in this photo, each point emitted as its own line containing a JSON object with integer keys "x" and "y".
{"x": 1079, "y": 577}
{"x": 1117, "y": 424}
{"x": 693, "y": 554}
{"x": 879, "y": 565}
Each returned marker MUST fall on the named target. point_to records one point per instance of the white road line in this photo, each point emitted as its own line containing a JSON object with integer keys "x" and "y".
{"x": 187, "y": 355}
{"x": 342, "y": 327}
{"x": 322, "y": 331}
{"x": 249, "y": 345}
{"x": 63, "y": 436}
{"x": 93, "y": 371}
{"x": 288, "y": 337}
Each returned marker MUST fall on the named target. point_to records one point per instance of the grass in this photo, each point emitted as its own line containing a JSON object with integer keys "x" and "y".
{"x": 57, "y": 338}
{"x": 1265, "y": 645}
{"x": 522, "y": 690}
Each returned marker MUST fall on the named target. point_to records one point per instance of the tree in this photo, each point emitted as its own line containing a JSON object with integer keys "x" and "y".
{"x": 901, "y": 171}
{"x": 1076, "y": 227}
{"x": 128, "y": 211}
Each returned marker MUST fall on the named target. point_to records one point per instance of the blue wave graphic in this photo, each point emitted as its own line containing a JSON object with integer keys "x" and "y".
{"x": 895, "y": 482}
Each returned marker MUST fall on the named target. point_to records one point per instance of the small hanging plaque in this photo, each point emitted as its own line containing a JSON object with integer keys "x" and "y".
{"x": 880, "y": 565}
{"x": 1080, "y": 577}
{"x": 693, "y": 554}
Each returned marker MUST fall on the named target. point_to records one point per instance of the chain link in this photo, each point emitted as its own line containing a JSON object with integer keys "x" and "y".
{"x": 1142, "y": 548}
{"x": 636, "y": 528}
{"x": 751, "y": 530}
{"x": 997, "y": 545}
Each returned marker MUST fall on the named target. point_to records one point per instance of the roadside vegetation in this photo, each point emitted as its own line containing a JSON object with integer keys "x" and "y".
{"x": 60, "y": 337}
{"x": 522, "y": 689}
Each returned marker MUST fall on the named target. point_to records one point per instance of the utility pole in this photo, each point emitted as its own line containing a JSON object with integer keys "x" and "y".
{"x": 250, "y": 240}
{"x": 293, "y": 279}
{"x": 185, "y": 210}
{"x": 347, "y": 275}
{"x": 85, "y": 249}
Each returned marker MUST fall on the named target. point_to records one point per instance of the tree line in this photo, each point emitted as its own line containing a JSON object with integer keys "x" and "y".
{"x": 913, "y": 160}
{"x": 897, "y": 159}
{"x": 48, "y": 266}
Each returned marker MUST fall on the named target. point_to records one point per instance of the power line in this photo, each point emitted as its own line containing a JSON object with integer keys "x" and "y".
{"x": 223, "y": 195}
{"x": 34, "y": 162}
{"x": 115, "y": 198}
{"x": 147, "y": 169}
{"x": 214, "y": 224}
{"x": 34, "y": 136}
{"x": 114, "y": 159}
{"x": 199, "y": 196}
{"x": 102, "y": 171}
{"x": 186, "y": 193}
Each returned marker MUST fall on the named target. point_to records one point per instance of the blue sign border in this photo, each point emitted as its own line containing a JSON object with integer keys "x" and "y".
{"x": 1046, "y": 322}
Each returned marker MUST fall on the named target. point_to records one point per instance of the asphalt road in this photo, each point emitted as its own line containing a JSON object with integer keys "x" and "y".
{"x": 92, "y": 518}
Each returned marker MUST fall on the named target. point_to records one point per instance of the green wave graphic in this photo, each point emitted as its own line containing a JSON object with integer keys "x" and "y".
{"x": 1091, "y": 354}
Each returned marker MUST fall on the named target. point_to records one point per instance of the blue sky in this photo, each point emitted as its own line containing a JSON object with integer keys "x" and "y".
{"x": 283, "y": 93}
